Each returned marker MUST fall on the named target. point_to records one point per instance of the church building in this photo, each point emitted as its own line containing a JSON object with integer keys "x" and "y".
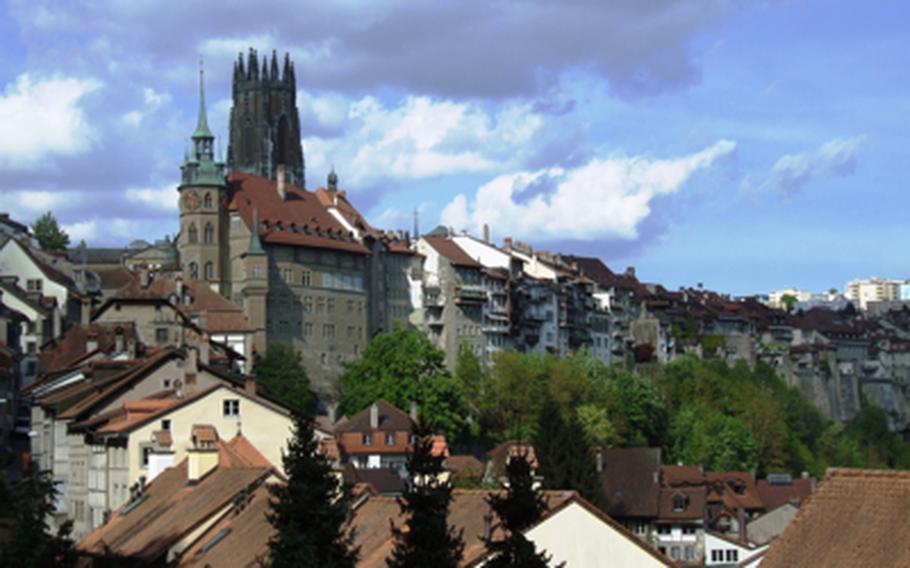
{"x": 305, "y": 266}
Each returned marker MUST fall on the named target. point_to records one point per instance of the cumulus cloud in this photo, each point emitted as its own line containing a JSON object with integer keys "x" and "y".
{"x": 420, "y": 138}
{"x": 604, "y": 198}
{"x": 42, "y": 116}
{"x": 837, "y": 157}
{"x": 161, "y": 198}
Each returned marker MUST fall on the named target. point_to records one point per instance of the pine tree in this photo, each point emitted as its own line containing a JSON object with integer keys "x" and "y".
{"x": 49, "y": 234}
{"x": 427, "y": 540}
{"x": 518, "y": 509}
{"x": 564, "y": 457}
{"x": 29, "y": 505}
{"x": 310, "y": 511}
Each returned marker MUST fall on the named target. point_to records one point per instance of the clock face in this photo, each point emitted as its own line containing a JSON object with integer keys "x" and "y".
{"x": 191, "y": 200}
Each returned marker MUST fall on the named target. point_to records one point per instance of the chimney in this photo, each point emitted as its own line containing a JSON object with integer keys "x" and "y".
{"x": 630, "y": 272}
{"x": 118, "y": 340}
{"x": 374, "y": 416}
{"x": 204, "y": 349}
{"x": 600, "y": 461}
{"x": 741, "y": 521}
{"x": 282, "y": 189}
{"x": 85, "y": 315}
{"x": 143, "y": 278}
{"x": 487, "y": 526}
{"x": 178, "y": 288}
{"x": 413, "y": 412}
{"x": 201, "y": 459}
{"x": 486, "y": 233}
{"x": 249, "y": 384}
{"x": 507, "y": 242}
{"x": 191, "y": 368}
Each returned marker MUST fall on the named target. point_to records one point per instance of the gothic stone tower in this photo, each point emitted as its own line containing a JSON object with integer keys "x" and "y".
{"x": 203, "y": 222}
{"x": 265, "y": 127}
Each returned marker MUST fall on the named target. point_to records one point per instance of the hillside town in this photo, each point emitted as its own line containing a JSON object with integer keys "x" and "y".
{"x": 135, "y": 377}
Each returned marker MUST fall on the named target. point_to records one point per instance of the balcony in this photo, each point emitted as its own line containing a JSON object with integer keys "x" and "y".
{"x": 470, "y": 294}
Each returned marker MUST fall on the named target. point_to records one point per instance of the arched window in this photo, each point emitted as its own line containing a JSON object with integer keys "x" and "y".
{"x": 209, "y": 271}
{"x": 207, "y": 201}
{"x": 192, "y": 235}
{"x": 194, "y": 270}
{"x": 208, "y": 236}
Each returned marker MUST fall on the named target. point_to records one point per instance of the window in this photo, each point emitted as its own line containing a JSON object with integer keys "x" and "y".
{"x": 350, "y": 332}
{"x": 207, "y": 201}
{"x": 232, "y": 407}
{"x": 165, "y": 424}
{"x": 390, "y": 439}
{"x": 161, "y": 335}
{"x": 680, "y": 502}
{"x": 194, "y": 270}
{"x": 717, "y": 556}
{"x": 367, "y": 439}
{"x": 192, "y": 234}
{"x": 308, "y": 304}
{"x": 209, "y": 271}
{"x": 674, "y": 552}
{"x": 323, "y": 358}
{"x": 144, "y": 451}
{"x": 208, "y": 234}
{"x": 330, "y": 305}
{"x": 320, "y": 305}
{"x": 308, "y": 329}
{"x": 328, "y": 330}
{"x": 34, "y": 285}
{"x": 688, "y": 529}
{"x": 287, "y": 275}
{"x": 306, "y": 278}
{"x": 732, "y": 555}
{"x": 689, "y": 553}
{"x": 257, "y": 271}
{"x": 663, "y": 529}
{"x": 32, "y": 348}
{"x": 350, "y": 306}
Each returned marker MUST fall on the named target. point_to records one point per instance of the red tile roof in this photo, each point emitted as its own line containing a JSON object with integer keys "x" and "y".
{"x": 300, "y": 219}
{"x": 631, "y": 481}
{"x": 856, "y": 518}
{"x": 773, "y": 495}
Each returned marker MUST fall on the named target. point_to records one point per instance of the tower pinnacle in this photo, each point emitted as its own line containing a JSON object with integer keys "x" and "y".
{"x": 202, "y": 123}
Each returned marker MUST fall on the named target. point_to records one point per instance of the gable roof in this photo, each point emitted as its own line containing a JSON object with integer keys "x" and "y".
{"x": 391, "y": 419}
{"x": 774, "y": 494}
{"x": 855, "y": 518}
{"x": 72, "y": 347}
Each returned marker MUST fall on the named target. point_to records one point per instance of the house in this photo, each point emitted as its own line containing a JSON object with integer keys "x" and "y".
{"x": 217, "y": 481}
{"x": 723, "y": 550}
{"x": 630, "y": 480}
{"x": 855, "y": 518}
{"x": 498, "y": 458}
{"x": 780, "y": 488}
{"x": 765, "y": 528}
{"x": 377, "y": 437}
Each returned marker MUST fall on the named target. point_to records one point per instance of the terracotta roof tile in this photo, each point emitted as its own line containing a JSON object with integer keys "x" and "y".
{"x": 391, "y": 419}
{"x": 631, "y": 481}
{"x": 855, "y": 518}
{"x": 205, "y": 433}
{"x": 773, "y": 495}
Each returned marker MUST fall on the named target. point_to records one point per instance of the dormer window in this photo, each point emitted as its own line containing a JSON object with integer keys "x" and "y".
{"x": 367, "y": 439}
{"x": 680, "y": 502}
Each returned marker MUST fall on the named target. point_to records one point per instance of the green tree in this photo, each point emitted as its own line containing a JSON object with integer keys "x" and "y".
{"x": 402, "y": 366}
{"x": 428, "y": 540}
{"x": 472, "y": 379}
{"x": 564, "y": 457}
{"x": 517, "y": 389}
{"x": 28, "y": 505}
{"x": 49, "y": 234}
{"x": 788, "y": 301}
{"x": 714, "y": 440}
{"x": 518, "y": 509}
{"x": 309, "y": 512}
{"x": 283, "y": 376}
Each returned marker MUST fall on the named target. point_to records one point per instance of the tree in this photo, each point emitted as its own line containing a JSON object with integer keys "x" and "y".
{"x": 49, "y": 234}
{"x": 402, "y": 366}
{"x": 788, "y": 301}
{"x": 29, "y": 504}
{"x": 471, "y": 377}
{"x": 282, "y": 375}
{"x": 518, "y": 509}
{"x": 428, "y": 540}
{"x": 310, "y": 511}
{"x": 564, "y": 456}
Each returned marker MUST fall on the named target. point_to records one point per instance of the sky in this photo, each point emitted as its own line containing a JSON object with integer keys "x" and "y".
{"x": 745, "y": 145}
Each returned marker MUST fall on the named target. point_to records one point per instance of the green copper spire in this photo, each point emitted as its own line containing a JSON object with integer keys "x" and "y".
{"x": 255, "y": 243}
{"x": 202, "y": 123}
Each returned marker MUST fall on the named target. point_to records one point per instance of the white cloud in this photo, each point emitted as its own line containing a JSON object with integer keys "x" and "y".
{"x": 232, "y": 46}
{"x": 82, "y": 231}
{"x": 793, "y": 172}
{"x": 162, "y": 198}
{"x": 607, "y": 197}
{"x": 41, "y": 117}
{"x": 421, "y": 138}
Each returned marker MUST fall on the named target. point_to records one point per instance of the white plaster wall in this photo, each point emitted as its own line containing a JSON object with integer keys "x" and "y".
{"x": 483, "y": 253}
{"x": 582, "y": 540}
{"x": 14, "y": 260}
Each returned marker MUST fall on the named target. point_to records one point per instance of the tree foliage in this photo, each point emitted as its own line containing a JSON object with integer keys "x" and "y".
{"x": 28, "y": 505}
{"x": 565, "y": 458}
{"x": 283, "y": 376}
{"x": 402, "y": 366}
{"x": 310, "y": 511}
{"x": 427, "y": 539}
{"x": 49, "y": 234}
{"x": 518, "y": 509}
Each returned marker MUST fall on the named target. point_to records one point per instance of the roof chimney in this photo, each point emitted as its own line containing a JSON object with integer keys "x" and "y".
{"x": 143, "y": 278}
{"x": 249, "y": 384}
{"x": 507, "y": 242}
{"x": 85, "y": 316}
{"x": 203, "y": 456}
{"x": 191, "y": 368}
{"x": 118, "y": 340}
{"x": 178, "y": 288}
{"x": 279, "y": 175}
{"x": 374, "y": 416}
{"x": 413, "y": 412}
{"x": 486, "y": 233}
{"x": 630, "y": 272}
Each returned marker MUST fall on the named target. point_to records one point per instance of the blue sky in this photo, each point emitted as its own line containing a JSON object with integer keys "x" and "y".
{"x": 745, "y": 145}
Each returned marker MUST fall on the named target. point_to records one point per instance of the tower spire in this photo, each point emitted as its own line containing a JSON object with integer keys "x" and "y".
{"x": 255, "y": 244}
{"x": 202, "y": 123}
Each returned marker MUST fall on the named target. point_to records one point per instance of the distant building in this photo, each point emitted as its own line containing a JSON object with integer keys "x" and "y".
{"x": 775, "y": 297}
{"x": 872, "y": 289}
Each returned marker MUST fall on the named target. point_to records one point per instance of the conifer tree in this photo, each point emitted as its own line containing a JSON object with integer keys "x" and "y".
{"x": 427, "y": 540}
{"x": 310, "y": 511}
{"x": 49, "y": 234}
{"x": 518, "y": 509}
{"x": 564, "y": 456}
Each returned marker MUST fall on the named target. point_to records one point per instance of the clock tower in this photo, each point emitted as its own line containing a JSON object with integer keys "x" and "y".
{"x": 203, "y": 216}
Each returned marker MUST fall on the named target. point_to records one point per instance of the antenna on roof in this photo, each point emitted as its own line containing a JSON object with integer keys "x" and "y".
{"x": 416, "y": 216}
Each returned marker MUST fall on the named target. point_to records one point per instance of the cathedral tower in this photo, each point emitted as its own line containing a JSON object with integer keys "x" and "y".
{"x": 203, "y": 223}
{"x": 265, "y": 126}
